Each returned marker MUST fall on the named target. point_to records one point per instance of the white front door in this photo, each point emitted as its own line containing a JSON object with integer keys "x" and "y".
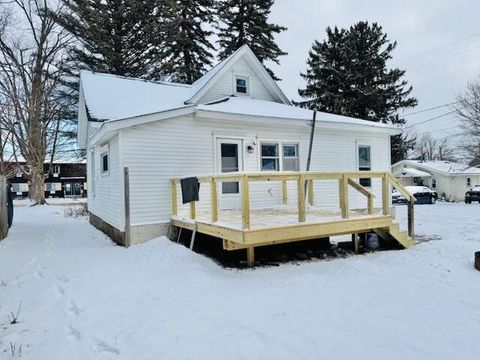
{"x": 229, "y": 159}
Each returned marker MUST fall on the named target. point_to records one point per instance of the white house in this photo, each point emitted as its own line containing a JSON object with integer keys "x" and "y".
{"x": 234, "y": 118}
{"x": 450, "y": 179}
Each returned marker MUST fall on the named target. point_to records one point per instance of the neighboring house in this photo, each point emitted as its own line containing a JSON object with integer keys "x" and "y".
{"x": 449, "y": 179}
{"x": 67, "y": 178}
{"x": 234, "y": 118}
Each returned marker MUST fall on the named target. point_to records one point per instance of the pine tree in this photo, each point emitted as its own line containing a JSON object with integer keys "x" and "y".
{"x": 347, "y": 74}
{"x": 246, "y": 22}
{"x": 122, "y": 37}
{"x": 188, "y": 48}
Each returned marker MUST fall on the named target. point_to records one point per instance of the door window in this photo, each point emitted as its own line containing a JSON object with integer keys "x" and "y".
{"x": 229, "y": 163}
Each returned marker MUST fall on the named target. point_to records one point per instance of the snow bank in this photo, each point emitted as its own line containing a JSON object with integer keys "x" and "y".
{"x": 85, "y": 298}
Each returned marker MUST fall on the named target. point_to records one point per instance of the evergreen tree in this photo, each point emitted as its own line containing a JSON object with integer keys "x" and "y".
{"x": 188, "y": 49}
{"x": 347, "y": 74}
{"x": 246, "y": 22}
{"x": 122, "y": 37}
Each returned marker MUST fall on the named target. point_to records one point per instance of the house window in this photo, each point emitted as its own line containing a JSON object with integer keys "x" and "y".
{"x": 291, "y": 159}
{"x": 56, "y": 169}
{"x": 434, "y": 183}
{"x": 469, "y": 182}
{"x": 280, "y": 157}
{"x": 19, "y": 188}
{"x": 241, "y": 85}
{"x": 364, "y": 163}
{"x": 104, "y": 162}
{"x": 52, "y": 187}
{"x": 270, "y": 157}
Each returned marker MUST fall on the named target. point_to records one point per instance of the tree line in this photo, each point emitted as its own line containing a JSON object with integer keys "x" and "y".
{"x": 44, "y": 44}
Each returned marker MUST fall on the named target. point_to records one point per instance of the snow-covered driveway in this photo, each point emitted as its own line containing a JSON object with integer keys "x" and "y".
{"x": 84, "y": 298}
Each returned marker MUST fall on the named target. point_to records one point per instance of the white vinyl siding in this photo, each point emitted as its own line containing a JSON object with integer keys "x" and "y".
{"x": 106, "y": 198}
{"x": 184, "y": 146}
{"x": 225, "y": 85}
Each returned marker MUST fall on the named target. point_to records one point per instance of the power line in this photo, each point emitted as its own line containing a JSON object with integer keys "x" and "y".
{"x": 431, "y": 119}
{"x": 444, "y": 58}
{"x": 433, "y": 108}
{"x": 438, "y": 48}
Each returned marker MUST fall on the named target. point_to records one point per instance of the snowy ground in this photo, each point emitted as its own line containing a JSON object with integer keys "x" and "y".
{"x": 84, "y": 298}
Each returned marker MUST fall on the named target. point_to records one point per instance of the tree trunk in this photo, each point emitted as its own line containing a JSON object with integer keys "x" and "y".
{"x": 37, "y": 184}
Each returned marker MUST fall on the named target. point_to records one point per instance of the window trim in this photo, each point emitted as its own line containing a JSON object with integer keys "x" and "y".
{"x": 247, "y": 85}
{"x": 56, "y": 167}
{"x": 280, "y": 144}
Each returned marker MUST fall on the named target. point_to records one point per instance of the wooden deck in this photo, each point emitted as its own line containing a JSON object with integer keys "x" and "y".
{"x": 246, "y": 228}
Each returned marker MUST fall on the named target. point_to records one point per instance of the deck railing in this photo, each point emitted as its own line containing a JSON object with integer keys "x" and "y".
{"x": 305, "y": 191}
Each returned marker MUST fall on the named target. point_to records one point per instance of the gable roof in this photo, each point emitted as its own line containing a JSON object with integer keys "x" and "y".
{"x": 443, "y": 167}
{"x": 203, "y": 84}
{"x": 112, "y": 97}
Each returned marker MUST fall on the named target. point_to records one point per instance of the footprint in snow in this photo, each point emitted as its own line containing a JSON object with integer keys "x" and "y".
{"x": 73, "y": 309}
{"x": 59, "y": 291}
{"x": 102, "y": 346}
{"x": 63, "y": 279}
{"x": 73, "y": 333}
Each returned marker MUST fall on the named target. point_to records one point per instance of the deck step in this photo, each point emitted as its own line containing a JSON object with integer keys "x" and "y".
{"x": 394, "y": 233}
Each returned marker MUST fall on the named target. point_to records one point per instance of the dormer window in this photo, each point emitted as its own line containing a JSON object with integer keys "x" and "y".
{"x": 241, "y": 85}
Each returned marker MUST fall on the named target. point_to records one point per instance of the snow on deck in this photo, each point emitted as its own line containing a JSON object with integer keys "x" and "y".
{"x": 85, "y": 298}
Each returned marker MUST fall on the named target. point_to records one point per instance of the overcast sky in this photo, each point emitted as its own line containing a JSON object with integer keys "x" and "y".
{"x": 418, "y": 26}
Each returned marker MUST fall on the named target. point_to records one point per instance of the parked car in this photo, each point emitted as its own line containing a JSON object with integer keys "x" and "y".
{"x": 423, "y": 195}
{"x": 472, "y": 195}
{"x": 397, "y": 198}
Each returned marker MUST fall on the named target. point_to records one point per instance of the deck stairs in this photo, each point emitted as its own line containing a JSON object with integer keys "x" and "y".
{"x": 394, "y": 234}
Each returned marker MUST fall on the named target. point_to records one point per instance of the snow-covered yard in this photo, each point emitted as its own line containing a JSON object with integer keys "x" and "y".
{"x": 84, "y": 298}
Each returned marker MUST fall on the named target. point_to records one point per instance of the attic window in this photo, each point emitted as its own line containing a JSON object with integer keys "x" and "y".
{"x": 241, "y": 84}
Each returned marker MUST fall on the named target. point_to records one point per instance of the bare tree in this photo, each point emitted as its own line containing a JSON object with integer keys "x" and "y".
{"x": 32, "y": 51}
{"x": 430, "y": 148}
{"x": 468, "y": 110}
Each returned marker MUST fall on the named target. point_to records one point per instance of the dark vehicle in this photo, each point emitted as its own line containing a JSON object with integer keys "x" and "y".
{"x": 472, "y": 195}
{"x": 423, "y": 195}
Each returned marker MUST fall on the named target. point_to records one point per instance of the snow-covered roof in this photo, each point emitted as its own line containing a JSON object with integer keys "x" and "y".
{"x": 268, "y": 109}
{"x": 411, "y": 172}
{"x": 444, "y": 167}
{"x": 110, "y": 97}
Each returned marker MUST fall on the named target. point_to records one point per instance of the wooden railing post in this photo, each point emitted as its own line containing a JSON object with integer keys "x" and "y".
{"x": 310, "y": 192}
{"x": 370, "y": 204}
{"x": 301, "y": 197}
{"x": 411, "y": 218}
{"x": 344, "y": 205}
{"x": 284, "y": 192}
{"x": 193, "y": 212}
{"x": 213, "y": 200}
{"x": 245, "y": 202}
{"x": 385, "y": 195}
{"x": 173, "y": 185}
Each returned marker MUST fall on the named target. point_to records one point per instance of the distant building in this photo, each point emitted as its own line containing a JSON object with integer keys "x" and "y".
{"x": 66, "y": 179}
{"x": 449, "y": 179}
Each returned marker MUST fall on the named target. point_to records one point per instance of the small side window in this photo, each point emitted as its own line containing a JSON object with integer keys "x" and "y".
{"x": 105, "y": 162}
{"x": 364, "y": 163}
{"x": 469, "y": 182}
{"x": 241, "y": 85}
{"x": 434, "y": 183}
